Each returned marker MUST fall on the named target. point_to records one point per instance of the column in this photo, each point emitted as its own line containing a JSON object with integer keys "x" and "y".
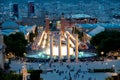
{"x": 76, "y": 48}
{"x": 51, "y": 46}
{"x": 60, "y": 47}
{"x": 47, "y": 24}
{"x": 68, "y": 48}
{"x": 62, "y": 24}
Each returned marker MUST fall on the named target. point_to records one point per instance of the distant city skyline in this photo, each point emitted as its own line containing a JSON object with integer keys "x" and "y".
{"x": 104, "y": 10}
{"x": 70, "y": 1}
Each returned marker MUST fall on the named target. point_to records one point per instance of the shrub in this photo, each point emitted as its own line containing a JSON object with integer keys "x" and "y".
{"x": 35, "y": 74}
{"x": 102, "y": 70}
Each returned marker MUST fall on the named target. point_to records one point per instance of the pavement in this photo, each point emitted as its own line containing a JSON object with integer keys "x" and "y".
{"x": 69, "y": 70}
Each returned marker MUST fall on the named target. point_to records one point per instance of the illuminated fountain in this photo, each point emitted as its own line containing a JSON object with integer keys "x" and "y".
{"x": 58, "y": 45}
{"x": 46, "y": 53}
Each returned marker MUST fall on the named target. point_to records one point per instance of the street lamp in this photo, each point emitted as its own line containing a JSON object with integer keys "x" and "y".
{"x": 24, "y": 54}
{"x": 102, "y": 53}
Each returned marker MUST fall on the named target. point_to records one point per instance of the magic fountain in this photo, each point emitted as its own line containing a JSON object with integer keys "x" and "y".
{"x": 59, "y": 45}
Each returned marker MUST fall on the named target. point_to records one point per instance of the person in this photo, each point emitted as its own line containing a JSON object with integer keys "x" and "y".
{"x": 89, "y": 78}
{"x": 70, "y": 78}
{"x": 94, "y": 78}
{"x": 82, "y": 76}
{"x": 65, "y": 78}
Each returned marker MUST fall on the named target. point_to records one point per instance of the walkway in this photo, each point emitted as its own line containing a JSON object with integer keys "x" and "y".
{"x": 63, "y": 71}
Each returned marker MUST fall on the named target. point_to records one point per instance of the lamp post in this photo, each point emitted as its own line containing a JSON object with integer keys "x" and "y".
{"x": 102, "y": 53}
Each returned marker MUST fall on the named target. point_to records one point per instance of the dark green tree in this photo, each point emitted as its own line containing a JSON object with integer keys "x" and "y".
{"x": 16, "y": 43}
{"x": 76, "y": 31}
{"x": 106, "y": 41}
{"x": 10, "y": 76}
{"x": 31, "y": 37}
{"x": 35, "y": 74}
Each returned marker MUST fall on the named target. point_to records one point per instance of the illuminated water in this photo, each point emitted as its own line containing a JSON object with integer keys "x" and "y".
{"x": 43, "y": 55}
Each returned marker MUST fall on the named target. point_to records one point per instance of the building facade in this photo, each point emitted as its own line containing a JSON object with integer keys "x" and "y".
{"x": 1, "y": 51}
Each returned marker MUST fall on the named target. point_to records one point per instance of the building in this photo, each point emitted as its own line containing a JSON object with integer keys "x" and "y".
{"x": 32, "y": 21}
{"x": 1, "y": 51}
{"x": 15, "y": 10}
{"x": 31, "y": 9}
{"x": 80, "y": 19}
{"x": 89, "y": 27}
{"x": 90, "y": 30}
{"x": 11, "y": 27}
{"x": 96, "y": 31}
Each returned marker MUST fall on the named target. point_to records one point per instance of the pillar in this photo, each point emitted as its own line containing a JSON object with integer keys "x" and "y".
{"x": 68, "y": 48}
{"x": 60, "y": 55}
{"x": 51, "y": 46}
{"x": 47, "y": 24}
{"x": 62, "y": 24}
{"x": 76, "y": 48}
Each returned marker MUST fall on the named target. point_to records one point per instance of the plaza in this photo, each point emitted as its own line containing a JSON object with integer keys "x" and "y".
{"x": 63, "y": 71}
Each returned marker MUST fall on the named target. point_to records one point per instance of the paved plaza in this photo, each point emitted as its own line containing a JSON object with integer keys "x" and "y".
{"x": 69, "y": 70}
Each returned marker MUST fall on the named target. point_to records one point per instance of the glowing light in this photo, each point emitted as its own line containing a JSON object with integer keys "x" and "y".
{"x": 44, "y": 41}
{"x": 41, "y": 38}
{"x": 46, "y": 53}
{"x": 72, "y": 44}
{"x": 70, "y": 35}
{"x": 63, "y": 51}
{"x": 80, "y": 54}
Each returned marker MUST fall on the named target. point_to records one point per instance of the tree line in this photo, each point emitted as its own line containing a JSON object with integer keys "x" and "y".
{"x": 106, "y": 41}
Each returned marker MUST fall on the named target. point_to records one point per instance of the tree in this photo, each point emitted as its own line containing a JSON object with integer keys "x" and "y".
{"x": 16, "y": 43}
{"x": 9, "y": 75}
{"x": 106, "y": 41}
{"x": 31, "y": 37}
{"x": 35, "y": 74}
{"x": 76, "y": 31}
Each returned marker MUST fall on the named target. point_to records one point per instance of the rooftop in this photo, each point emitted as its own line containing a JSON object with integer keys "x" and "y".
{"x": 9, "y": 25}
{"x": 105, "y": 25}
